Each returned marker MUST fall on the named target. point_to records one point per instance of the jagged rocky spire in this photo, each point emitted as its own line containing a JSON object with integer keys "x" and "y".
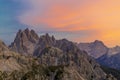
{"x": 25, "y": 41}
{"x": 52, "y": 52}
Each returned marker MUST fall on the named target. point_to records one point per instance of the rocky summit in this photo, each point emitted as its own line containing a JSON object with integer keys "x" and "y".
{"x": 25, "y": 42}
{"x": 105, "y": 56}
{"x": 44, "y": 41}
{"x": 95, "y": 49}
{"x": 45, "y": 58}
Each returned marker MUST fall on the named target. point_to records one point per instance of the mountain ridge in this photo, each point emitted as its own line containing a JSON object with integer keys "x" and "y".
{"x": 24, "y": 42}
{"x": 104, "y": 55}
{"x": 51, "y": 52}
{"x": 94, "y": 49}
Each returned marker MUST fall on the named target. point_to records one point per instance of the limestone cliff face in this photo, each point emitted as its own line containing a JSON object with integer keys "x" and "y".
{"x": 25, "y": 42}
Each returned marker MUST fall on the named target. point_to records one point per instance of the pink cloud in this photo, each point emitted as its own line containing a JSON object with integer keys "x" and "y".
{"x": 75, "y": 15}
{"x": 55, "y": 14}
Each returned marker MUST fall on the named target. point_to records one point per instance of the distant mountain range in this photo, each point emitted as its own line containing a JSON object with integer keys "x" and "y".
{"x": 31, "y": 57}
{"x": 105, "y": 56}
{"x": 25, "y": 42}
{"x": 111, "y": 58}
{"x": 95, "y": 49}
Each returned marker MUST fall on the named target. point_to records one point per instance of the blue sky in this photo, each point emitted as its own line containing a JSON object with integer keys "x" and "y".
{"x": 9, "y": 25}
{"x": 76, "y": 20}
{"x": 11, "y": 10}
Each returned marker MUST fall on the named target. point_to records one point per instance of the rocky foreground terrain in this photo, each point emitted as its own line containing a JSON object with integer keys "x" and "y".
{"x": 31, "y": 57}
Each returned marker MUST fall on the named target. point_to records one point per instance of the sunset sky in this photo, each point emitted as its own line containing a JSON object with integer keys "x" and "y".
{"x": 76, "y": 20}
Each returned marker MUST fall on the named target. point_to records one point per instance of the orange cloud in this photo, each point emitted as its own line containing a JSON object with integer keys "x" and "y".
{"x": 103, "y": 16}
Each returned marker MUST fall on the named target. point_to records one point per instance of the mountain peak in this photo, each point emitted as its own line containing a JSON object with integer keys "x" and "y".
{"x": 47, "y": 38}
{"x": 98, "y": 42}
{"x": 19, "y": 31}
{"x": 44, "y": 41}
{"x": 46, "y": 34}
{"x": 24, "y": 41}
{"x": 117, "y": 46}
{"x": 26, "y": 30}
{"x": 27, "y": 35}
{"x": 95, "y": 49}
{"x": 50, "y": 52}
